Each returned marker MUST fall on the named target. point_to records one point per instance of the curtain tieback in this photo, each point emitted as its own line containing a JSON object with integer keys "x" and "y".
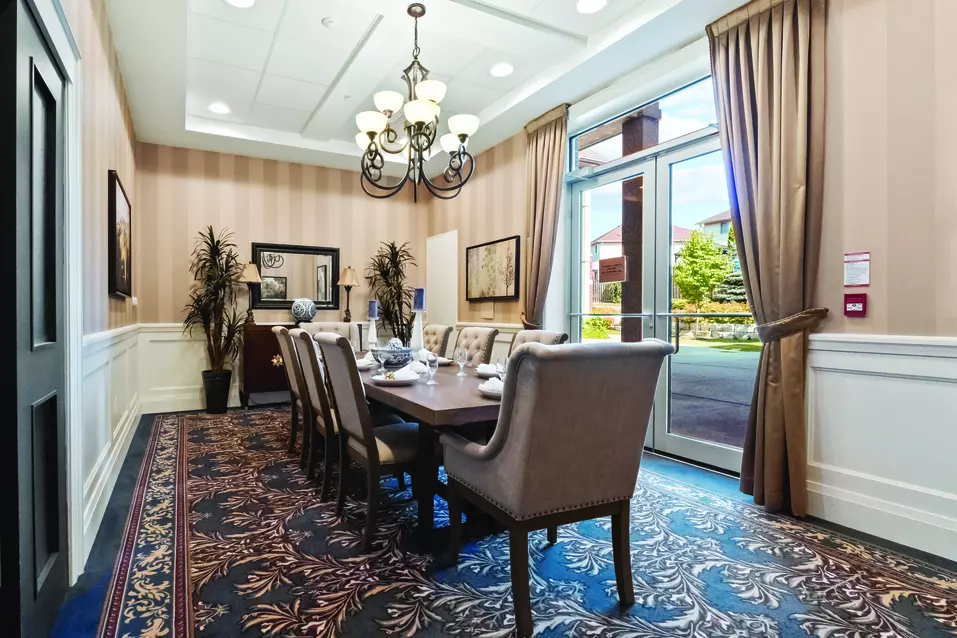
{"x": 799, "y": 322}
{"x": 528, "y": 324}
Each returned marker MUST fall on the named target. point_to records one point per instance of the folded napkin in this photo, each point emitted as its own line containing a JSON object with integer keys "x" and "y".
{"x": 444, "y": 362}
{"x": 369, "y": 357}
{"x": 418, "y": 367}
{"x": 405, "y": 374}
{"x": 493, "y": 385}
{"x": 486, "y": 368}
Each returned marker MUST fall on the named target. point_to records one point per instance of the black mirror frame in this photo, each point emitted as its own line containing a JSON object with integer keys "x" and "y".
{"x": 258, "y": 249}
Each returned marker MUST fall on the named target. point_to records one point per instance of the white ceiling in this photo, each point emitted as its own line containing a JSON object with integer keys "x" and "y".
{"x": 294, "y": 84}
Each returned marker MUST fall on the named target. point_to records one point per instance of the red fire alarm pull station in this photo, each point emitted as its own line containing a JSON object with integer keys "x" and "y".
{"x": 855, "y": 304}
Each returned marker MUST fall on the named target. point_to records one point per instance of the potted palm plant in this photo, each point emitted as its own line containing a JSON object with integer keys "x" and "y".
{"x": 388, "y": 283}
{"x": 212, "y": 308}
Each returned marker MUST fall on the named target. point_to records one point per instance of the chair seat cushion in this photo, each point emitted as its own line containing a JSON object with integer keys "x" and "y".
{"x": 396, "y": 443}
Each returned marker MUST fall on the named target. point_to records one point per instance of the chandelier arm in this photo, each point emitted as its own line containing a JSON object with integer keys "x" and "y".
{"x": 442, "y": 193}
{"x": 386, "y": 191}
{"x": 458, "y": 175}
{"x": 382, "y": 143}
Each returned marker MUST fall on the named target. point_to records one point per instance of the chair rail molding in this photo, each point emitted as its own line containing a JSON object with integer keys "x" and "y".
{"x": 882, "y": 427}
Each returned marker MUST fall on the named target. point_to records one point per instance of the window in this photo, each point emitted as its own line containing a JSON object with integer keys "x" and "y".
{"x": 685, "y": 111}
{"x": 724, "y": 227}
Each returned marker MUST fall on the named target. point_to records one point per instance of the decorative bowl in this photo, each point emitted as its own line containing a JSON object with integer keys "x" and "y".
{"x": 398, "y": 356}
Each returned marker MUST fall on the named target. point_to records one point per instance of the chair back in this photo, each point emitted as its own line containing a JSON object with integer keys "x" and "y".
{"x": 546, "y": 337}
{"x": 436, "y": 338}
{"x": 558, "y": 451}
{"x": 349, "y": 330}
{"x": 313, "y": 375}
{"x": 290, "y": 362}
{"x": 349, "y": 399}
{"x": 477, "y": 342}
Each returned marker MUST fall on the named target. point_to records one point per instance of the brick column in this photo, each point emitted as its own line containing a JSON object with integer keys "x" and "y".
{"x": 639, "y": 132}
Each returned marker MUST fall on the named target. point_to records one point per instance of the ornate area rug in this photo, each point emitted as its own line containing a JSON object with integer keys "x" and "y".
{"x": 267, "y": 559}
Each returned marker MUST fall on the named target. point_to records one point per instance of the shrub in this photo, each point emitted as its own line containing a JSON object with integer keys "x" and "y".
{"x": 596, "y": 328}
{"x": 713, "y": 306}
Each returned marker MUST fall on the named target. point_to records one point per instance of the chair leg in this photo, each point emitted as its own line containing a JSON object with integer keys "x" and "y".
{"x": 306, "y": 444}
{"x": 343, "y": 472}
{"x": 521, "y": 594}
{"x": 401, "y": 478}
{"x": 552, "y": 534}
{"x": 331, "y": 455}
{"x": 293, "y": 425}
{"x": 372, "y": 507}
{"x": 455, "y": 522}
{"x": 313, "y": 452}
{"x": 621, "y": 547}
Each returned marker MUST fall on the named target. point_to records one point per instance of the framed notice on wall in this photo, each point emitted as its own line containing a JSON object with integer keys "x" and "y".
{"x": 857, "y": 270}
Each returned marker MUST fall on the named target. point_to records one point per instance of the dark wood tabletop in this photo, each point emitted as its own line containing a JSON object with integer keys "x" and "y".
{"x": 454, "y": 401}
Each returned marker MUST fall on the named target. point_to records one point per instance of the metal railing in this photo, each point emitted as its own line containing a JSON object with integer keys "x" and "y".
{"x": 678, "y": 316}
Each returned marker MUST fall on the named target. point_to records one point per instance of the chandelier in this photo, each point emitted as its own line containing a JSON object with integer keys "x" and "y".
{"x": 421, "y": 114}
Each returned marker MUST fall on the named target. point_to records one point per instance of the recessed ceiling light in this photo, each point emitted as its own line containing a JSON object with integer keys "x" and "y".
{"x": 219, "y": 108}
{"x": 591, "y": 6}
{"x": 502, "y": 69}
{"x": 240, "y": 4}
{"x": 330, "y": 22}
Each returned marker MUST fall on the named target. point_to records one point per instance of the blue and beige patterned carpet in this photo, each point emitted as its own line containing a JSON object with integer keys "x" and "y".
{"x": 265, "y": 558}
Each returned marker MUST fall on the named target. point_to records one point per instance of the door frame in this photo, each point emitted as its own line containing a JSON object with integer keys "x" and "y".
{"x": 56, "y": 30}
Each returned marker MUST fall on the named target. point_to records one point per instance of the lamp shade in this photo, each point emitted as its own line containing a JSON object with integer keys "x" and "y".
{"x": 463, "y": 124}
{"x": 348, "y": 278}
{"x": 390, "y": 101}
{"x": 430, "y": 90}
{"x": 450, "y": 143}
{"x": 362, "y": 141}
{"x": 421, "y": 111}
{"x": 250, "y": 275}
{"x": 371, "y": 122}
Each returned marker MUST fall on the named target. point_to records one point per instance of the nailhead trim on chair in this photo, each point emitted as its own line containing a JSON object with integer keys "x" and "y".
{"x": 536, "y": 514}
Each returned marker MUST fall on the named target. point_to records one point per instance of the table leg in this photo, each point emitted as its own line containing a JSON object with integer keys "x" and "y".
{"x": 428, "y": 475}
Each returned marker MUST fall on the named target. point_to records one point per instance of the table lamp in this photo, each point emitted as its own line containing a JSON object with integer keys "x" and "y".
{"x": 348, "y": 280}
{"x": 250, "y": 277}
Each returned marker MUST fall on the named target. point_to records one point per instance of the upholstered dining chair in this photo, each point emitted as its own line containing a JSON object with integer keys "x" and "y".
{"x": 436, "y": 338}
{"x": 539, "y": 469}
{"x": 478, "y": 342}
{"x": 547, "y": 337}
{"x": 290, "y": 363}
{"x": 317, "y": 411}
{"x": 388, "y": 449}
{"x": 349, "y": 330}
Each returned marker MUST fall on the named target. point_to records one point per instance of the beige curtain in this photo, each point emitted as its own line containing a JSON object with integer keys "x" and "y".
{"x": 544, "y": 183}
{"x": 768, "y": 65}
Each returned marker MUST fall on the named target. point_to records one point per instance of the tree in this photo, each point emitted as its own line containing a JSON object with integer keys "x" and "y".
{"x": 701, "y": 266}
{"x": 731, "y": 289}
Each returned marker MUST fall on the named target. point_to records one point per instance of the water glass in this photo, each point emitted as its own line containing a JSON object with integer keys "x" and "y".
{"x": 355, "y": 347}
{"x": 380, "y": 355}
{"x": 501, "y": 367}
{"x": 432, "y": 362}
{"x": 461, "y": 358}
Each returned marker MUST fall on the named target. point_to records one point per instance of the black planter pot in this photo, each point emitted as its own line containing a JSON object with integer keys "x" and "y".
{"x": 216, "y": 387}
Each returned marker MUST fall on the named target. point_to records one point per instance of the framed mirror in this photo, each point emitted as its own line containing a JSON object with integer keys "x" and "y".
{"x": 292, "y": 272}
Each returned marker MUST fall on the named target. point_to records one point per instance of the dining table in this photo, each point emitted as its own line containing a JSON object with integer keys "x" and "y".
{"x": 452, "y": 403}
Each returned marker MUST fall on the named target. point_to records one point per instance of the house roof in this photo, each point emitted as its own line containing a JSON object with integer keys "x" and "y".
{"x": 590, "y": 157}
{"x": 716, "y": 219}
{"x": 613, "y": 236}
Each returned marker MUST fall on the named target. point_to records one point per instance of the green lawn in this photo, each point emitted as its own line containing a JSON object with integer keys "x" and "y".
{"x": 730, "y": 345}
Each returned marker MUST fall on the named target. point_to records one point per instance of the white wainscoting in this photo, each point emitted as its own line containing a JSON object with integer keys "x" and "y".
{"x": 882, "y": 436}
{"x": 111, "y": 411}
{"x": 170, "y": 371}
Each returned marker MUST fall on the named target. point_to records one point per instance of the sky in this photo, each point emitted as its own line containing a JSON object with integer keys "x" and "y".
{"x": 698, "y": 186}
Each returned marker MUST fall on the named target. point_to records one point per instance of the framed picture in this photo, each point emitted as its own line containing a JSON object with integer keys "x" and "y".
{"x": 322, "y": 283}
{"x": 273, "y": 288}
{"x": 492, "y": 270}
{"x": 120, "y": 240}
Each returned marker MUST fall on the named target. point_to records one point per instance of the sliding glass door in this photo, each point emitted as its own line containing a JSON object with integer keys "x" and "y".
{"x": 665, "y": 211}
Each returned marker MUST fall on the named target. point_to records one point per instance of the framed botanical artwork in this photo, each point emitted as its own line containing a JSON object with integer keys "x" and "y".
{"x": 322, "y": 283}
{"x": 492, "y": 270}
{"x": 273, "y": 289}
{"x": 120, "y": 240}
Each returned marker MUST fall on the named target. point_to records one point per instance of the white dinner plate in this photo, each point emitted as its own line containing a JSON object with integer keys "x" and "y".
{"x": 445, "y": 362}
{"x": 365, "y": 365}
{"x": 397, "y": 383}
{"x": 486, "y": 375}
{"x": 489, "y": 394}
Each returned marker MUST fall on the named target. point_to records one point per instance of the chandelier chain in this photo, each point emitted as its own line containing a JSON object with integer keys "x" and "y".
{"x": 416, "y": 50}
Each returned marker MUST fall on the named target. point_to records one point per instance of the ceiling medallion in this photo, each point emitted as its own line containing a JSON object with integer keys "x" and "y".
{"x": 421, "y": 124}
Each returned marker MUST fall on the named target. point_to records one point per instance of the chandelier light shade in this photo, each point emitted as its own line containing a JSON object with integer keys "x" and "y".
{"x": 420, "y": 111}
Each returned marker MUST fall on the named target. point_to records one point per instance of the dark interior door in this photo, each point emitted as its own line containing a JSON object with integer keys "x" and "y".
{"x": 34, "y": 539}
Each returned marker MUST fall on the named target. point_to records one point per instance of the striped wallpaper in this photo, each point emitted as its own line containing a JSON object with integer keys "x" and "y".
{"x": 491, "y": 206}
{"x": 180, "y": 191}
{"x": 107, "y": 144}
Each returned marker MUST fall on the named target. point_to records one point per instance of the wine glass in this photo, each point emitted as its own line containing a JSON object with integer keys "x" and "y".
{"x": 380, "y": 355}
{"x": 461, "y": 358}
{"x": 432, "y": 362}
{"x": 501, "y": 367}
{"x": 355, "y": 347}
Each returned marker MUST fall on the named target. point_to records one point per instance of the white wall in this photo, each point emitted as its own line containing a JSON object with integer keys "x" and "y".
{"x": 882, "y": 433}
{"x": 442, "y": 278}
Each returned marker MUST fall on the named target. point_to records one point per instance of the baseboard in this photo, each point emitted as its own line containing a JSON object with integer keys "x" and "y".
{"x": 882, "y": 427}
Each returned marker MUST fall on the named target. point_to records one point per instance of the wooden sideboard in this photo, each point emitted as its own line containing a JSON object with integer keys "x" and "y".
{"x": 258, "y": 372}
